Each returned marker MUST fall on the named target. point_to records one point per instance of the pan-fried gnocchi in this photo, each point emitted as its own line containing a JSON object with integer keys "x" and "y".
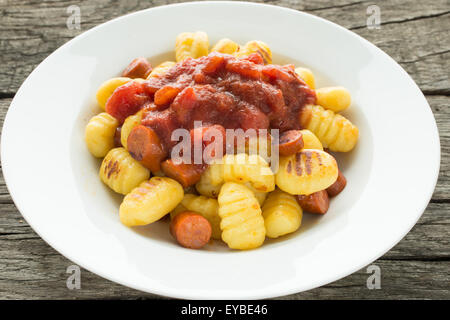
{"x": 242, "y": 223}
{"x": 128, "y": 125}
{"x": 150, "y": 201}
{"x": 191, "y": 45}
{"x": 335, "y": 99}
{"x": 107, "y": 88}
{"x": 161, "y": 69}
{"x": 310, "y": 141}
{"x": 99, "y": 134}
{"x": 282, "y": 214}
{"x": 306, "y": 172}
{"x": 259, "y": 187}
{"x": 225, "y": 46}
{"x": 333, "y": 130}
{"x": 256, "y": 47}
{"x": 243, "y": 168}
{"x": 121, "y": 172}
{"x": 307, "y": 76}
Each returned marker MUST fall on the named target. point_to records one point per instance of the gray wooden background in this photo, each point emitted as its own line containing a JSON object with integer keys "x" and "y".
{"x": 415, "y": 33}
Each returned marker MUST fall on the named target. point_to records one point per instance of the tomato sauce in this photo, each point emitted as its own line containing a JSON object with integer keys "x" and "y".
{"x": 224, "y": 90}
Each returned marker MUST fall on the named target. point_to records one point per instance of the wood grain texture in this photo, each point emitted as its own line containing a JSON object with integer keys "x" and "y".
{"x": 415, "y": 33}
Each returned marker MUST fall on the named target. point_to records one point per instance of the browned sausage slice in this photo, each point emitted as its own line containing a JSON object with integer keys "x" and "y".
{"x": 291, "y": 142}
{"x": 144, "y": 145}
{"x": 317, "y": 202}
{"x": 338, "y": 186}
{"x": 190, "y": 229}
{"x": 186, "y": 174}
{"x": 138, "y": 68}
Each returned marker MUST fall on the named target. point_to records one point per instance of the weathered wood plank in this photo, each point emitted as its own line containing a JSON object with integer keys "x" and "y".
{"x": 415, "y": 33}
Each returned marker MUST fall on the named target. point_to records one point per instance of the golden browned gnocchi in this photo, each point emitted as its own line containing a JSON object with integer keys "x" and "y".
{"x": 128, "y": 125}
{"x": 121, "y": 172}
{"x": 333, "y": 130}
{"x": 256, "y": 47}
{"x": 191, "y": 45}
{"x": 161, "y": 69}
{"x": 225, "y": 46}
{"x": 310, "y": 141}
{"x": 243, "y": 168}
{"x": 306, "y": 172}
{"x": 99, "y": 134}
{"x": 242, "y": 223}
{"x": 307, "y": 76}
{"x": 150, "y": 201}
{"x": 282, "y": 214}
{"x": 107, "y": 88}
{"x": 333, "y": 98}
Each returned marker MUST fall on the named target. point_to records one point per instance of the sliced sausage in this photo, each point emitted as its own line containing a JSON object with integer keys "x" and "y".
{"x": 317, "y": 202}
{"x": 338, "y": 186}
{"x": 144, "y": 145}
{"x": 186, "y": 174}
{"x": 190, "y": 229}
{"x": 291, "y": 142}
{"x": 117, "y": 135}
{"x": 138, "y": 68}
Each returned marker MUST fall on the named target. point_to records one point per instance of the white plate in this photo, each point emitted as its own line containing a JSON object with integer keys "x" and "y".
{"x": 53, "y": 179}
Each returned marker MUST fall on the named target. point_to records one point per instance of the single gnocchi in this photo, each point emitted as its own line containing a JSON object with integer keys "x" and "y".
{"x": 99, "y": 134}
{"x": 256, "y": 46}
{"x": 107, "y": 88}
{"x": 225, "y": 46}
{"x": 207, "y": 207}
{"x": 333, "y": 130}
{"x": 242, "y": 168}
{"x": 335, "y": 99}
{"x": 306, "y": 75}
{"x": 191, "y": 45}
{"x": 150, "y": 201}
{"x": 242, "y": 223}
{"x": 161, "y": 69}
{"x": 121, "y": 172}
{"x": 310, "y": 141}
{"x": 306, "y": 172}
{"x": 282, "y": 214}
{"x": 128, "y": 125}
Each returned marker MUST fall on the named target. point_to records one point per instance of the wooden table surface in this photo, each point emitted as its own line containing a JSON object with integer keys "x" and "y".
{"x": 415, "y": 33}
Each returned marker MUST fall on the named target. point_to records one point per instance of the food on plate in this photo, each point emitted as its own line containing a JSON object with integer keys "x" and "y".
{"x": 99, "y": 134}
{"x": 317, "y": 202}
{"x": 190, "y": 229}
{"x": 333, "y": 98}
{"x": 191, "y": 45}
{"x": 306, "y": 172}
{"x": 307, "y": 76}
{"x": 225, "y": 46}
{"x": 242, "y": 223}
{"x": 138, "y": 68}
{"x": 107, "y": 88}
{"x": 206, "y": 207}
{"x": 338, "y": 186}
{"x": 121, "y": 172}
{"x": 333, "y": 130}
{"x": 235, "y": 143}
{"x": 150, "y": 201}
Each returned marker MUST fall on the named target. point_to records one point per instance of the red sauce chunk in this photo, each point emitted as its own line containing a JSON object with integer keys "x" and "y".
{"x": 220, "y": 89}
